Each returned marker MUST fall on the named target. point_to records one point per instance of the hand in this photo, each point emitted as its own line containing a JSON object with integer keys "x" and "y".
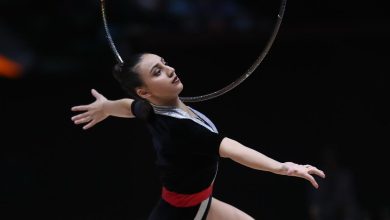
{"x": 94, "y": 112}
{"x": 303, "y": 171}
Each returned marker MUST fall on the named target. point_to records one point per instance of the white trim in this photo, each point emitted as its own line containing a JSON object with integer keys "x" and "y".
{"x": 179, "y": 113}
{"x": 202, "y": 209}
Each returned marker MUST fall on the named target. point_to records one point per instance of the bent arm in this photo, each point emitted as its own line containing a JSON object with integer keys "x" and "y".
{"x": 239, "y": 153}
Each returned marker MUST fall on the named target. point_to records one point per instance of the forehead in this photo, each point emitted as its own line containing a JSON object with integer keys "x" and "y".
{"x": 148, "y": 61}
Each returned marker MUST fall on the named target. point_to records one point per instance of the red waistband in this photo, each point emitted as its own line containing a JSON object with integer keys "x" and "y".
{"x": 186, "y": 200}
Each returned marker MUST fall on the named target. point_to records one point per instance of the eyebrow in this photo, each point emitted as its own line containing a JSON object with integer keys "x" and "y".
{"x": 155, "y": 65}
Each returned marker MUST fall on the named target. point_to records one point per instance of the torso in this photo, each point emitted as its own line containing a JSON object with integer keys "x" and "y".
{"x": 187, "y": 146}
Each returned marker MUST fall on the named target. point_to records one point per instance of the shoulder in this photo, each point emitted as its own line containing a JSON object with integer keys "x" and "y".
{"x": 142, "y": 109}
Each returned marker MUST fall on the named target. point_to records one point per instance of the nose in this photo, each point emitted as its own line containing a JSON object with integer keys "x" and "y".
{"x": 170, "y": 71}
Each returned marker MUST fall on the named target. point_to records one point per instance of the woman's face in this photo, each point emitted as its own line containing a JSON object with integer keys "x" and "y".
{"x": 160, "y": 80}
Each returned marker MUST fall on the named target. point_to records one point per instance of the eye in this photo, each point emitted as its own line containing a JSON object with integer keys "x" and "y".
{"x": 157, "y": 72}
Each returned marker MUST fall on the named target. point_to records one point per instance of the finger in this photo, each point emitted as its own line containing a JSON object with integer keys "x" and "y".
{"x": 317, "y": 172}
{"x": 89, "y": 125}
{"x": 311, "y": 179}
{"x": 83, "y": 120}
{"x": 95, "y": 93}
{"x": 80, "y": 116}
{"x": 80, "y": 108}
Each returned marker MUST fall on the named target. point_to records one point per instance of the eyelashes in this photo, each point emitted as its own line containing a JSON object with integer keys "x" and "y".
{"x": 158, "y": 70}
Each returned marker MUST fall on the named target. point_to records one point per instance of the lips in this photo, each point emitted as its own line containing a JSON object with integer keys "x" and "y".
{"x": 175, "y": 80}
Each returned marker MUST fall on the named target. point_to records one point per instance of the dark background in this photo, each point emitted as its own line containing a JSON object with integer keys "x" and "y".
{"x": 320, "y": 91}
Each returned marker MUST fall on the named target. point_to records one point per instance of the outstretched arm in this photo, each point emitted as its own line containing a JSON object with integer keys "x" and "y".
{"x": 100, "y": 109}
{"x": 248, "y": 157}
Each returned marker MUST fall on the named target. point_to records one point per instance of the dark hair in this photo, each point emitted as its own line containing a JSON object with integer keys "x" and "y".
{"x": 129, "y": 79}
{"x": 127, "y": 76}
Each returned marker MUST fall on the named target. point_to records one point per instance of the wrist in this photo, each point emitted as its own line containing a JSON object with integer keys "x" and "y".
{"x": 281, "y": 169}
{"x": 106, "y": 106}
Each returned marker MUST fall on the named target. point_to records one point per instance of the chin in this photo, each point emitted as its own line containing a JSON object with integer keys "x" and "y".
{"x": 180, "y": 89}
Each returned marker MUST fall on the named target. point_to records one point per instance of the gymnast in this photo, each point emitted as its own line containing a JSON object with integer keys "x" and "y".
{"x": 188, "y": 145}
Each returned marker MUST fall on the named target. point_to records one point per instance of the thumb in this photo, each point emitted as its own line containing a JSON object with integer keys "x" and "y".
{"x": 95, "y": 93}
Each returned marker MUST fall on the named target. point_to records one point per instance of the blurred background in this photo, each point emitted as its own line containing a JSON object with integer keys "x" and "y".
{"x": 319, "y": 97}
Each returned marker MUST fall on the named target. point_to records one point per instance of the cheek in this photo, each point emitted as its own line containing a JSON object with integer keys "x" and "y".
{"x": 158, "y": 86}
{"x": 165, "y": 89}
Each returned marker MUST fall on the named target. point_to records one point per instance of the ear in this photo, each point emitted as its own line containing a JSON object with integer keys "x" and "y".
{"x": 143, "y": 92}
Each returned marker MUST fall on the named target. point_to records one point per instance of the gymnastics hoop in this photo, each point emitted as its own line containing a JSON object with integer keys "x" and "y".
{"x": 227, "y": 88}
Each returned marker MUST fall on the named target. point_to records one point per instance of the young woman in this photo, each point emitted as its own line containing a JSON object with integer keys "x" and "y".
{"x": 187, "y": 144}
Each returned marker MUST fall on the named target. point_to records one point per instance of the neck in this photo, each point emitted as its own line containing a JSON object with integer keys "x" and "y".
{"x": 176, "y": 102}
